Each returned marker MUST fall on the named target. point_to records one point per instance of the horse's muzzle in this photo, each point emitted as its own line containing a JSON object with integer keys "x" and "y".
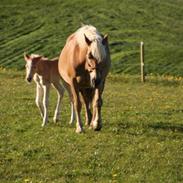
{"x": 29, "y": 79}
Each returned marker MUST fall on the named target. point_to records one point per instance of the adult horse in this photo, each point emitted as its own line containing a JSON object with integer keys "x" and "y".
{"x": 83, "y": 65}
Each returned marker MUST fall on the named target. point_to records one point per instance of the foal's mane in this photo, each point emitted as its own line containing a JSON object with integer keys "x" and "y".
{"x": 97, "y": 48}
{"x": 42, "y": 58}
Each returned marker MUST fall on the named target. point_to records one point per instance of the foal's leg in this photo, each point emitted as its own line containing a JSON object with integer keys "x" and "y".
{"x": 39, "y": 96}
{"x": 73, "y": 116}
{"x": 87, "y": 98}
{"x": 45, "y": 103}
{"x": 60, "y": 92}
{"x": 77, "y": 106}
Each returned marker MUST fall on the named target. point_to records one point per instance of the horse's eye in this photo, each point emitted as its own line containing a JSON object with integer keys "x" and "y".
{"x": 89, "y": 65}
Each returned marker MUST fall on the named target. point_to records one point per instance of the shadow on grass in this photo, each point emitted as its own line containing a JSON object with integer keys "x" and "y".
{"x": 140, "y": 129}
{"x": 167, "y": 126}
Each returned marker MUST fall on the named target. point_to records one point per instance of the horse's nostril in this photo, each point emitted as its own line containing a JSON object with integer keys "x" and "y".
{"x": 29, "y": 79}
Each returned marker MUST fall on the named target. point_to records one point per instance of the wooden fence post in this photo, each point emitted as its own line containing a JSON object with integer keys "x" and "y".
{"x": 142, "y": 61}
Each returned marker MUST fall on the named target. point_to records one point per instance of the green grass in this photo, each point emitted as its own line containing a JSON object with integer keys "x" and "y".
{"x": 142, "y": 135}
{"x": 141, "y": 139}
{"x": 39, "y": 26}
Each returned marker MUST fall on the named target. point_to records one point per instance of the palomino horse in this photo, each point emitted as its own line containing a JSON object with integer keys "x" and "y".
{"x": 45, "y": 72}
{"x": 83, "y": 65}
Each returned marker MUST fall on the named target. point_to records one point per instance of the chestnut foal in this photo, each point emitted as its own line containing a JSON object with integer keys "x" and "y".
{"x": 45, "y": 73}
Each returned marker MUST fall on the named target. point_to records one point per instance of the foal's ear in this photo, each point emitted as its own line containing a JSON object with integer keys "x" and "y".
{"x": 26, "y": 56}
{"x": 105, "y": 39}
{"x": 87, "y": 40}
{"x": 82, "y": 24}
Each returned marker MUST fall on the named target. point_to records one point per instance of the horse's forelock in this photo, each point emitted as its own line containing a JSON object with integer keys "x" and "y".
{"x": 97, "y": 48}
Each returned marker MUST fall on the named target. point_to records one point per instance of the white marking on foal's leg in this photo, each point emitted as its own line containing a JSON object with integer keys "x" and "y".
{"x": 72, "y": 114}
{"x": 60, "y": 92}
{"x": 39, "y": 96}
{"x": 45, "y": 103}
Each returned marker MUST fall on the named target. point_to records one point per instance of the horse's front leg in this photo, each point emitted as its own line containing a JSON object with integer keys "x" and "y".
{"x": 96, "y": 123}
{"x": 60, "y": 92}
{"x": 77, "y": 106}
{"x": 39, "y": 96}
{"x": 45, "y": 103}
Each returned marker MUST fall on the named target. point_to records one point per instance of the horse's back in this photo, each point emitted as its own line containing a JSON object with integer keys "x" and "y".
{"x": 69, "y": 59}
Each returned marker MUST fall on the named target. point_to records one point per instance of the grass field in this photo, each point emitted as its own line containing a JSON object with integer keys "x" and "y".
{"x": 141, "y": 139}
{"x": 39, "y": 26}
{"x": 142, "y": 136}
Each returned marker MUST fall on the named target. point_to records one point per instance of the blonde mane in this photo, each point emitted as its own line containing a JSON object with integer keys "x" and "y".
{"x": 34, "y": 55}
{"x": 37, "y": 56}
{"x": 97, "y": 48}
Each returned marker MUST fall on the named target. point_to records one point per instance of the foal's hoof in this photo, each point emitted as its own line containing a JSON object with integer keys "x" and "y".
{"x": 55, "y": 120}
{"x": 71, "y": 122}
{"x": 79, "y": 130}
{"x": 44, "y": 124}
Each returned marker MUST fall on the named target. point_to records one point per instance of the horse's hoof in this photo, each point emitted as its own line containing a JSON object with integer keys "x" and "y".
{"x": 95, "y": 126}
{"x": 87, "y": 125}
{"x": 79, "y": 130}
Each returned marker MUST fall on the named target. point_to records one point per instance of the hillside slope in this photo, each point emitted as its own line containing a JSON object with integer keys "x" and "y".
{"x": 43, "y": 28}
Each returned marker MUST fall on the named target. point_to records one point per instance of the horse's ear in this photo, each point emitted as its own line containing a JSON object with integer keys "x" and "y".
{"x": 87, "y": 40}
{"x": 26, "y": 56}
{"x": 105, "y": 39}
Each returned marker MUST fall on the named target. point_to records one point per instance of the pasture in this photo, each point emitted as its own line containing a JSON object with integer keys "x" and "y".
{"x": 141, "y": 139}
{"x": 42, "y": 27}
{"x": 142, "y": 136}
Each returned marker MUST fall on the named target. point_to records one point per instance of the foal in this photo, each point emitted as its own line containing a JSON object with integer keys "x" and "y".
{"x": 45, "y": 72}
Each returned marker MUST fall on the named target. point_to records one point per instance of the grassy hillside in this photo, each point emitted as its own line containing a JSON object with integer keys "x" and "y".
{"x": 142, "y": 141}
{"x": 39, "y": 26}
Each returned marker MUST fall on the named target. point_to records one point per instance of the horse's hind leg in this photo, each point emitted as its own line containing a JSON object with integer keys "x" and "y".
{"x": 72, "y": 114}
{"x": 77, "y": 106}
{"x": 87, "y": 98}
{"x": 60, "y": 93}
{"x": 45, "y": 103}
{"x": 39, "y": 96}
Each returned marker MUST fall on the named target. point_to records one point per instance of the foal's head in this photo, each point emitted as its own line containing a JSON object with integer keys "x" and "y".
{"x": 95, "y": 58}
{"x": 31, "y": 65}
